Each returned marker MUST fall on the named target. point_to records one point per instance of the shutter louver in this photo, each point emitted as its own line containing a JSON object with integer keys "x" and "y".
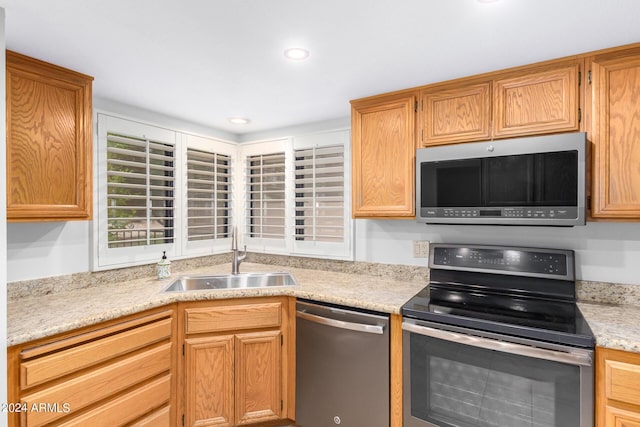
{"x": 140, "y": 191}
{"x": 265, "y": 210}
{"x": 319, "y": 200}
{"x": 208, "y": 195}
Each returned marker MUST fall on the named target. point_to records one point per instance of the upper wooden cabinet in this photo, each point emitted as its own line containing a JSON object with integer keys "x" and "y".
{"x": 383, "y": 156}
{"x": 538, "y": 101}
{"x": 528, "y": 101}
{"x": 459, "y": 114}
{"x": 613, "y": 98}
{"x": 48, "y": 141}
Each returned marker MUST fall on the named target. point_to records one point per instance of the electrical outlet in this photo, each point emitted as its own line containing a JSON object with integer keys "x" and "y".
{"x": 420, "y": 248}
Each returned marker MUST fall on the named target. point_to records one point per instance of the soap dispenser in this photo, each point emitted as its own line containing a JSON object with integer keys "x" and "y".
{"x": 164, "y": 267}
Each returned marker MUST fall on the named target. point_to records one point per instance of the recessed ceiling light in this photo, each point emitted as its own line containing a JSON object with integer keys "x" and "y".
{"x": 238, "y": 120}
{"x": 296, "y": 53}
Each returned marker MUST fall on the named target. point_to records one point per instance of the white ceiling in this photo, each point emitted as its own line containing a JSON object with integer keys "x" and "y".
{"x": 207, "y": 60}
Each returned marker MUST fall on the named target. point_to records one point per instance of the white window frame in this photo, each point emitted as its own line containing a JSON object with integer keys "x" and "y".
{"x": 121, "y": 257}
{"x": 108, "y": 258}
{"x": 206, "y": 247}
{"x": 330, "y": 250}
{"x": 276, "y": 246}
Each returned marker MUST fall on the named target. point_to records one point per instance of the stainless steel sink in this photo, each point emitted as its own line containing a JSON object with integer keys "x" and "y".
{"x": 231, "y": 281}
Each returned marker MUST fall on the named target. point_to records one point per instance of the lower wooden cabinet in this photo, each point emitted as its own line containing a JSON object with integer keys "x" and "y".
{"x": 620, "y": 418}
{"x": 116, "y": 373}
{"x": 617, "y": 388}
{"x": 237, "y": 366}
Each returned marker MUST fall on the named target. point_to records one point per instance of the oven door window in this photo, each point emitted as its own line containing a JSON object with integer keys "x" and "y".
{"x": 462, "y": 386}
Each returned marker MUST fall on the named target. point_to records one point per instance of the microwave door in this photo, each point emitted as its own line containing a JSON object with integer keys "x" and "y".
{"x": 451, "y": 183}
{"x": 556, "y": 174}
{"x": 509, "y": 181}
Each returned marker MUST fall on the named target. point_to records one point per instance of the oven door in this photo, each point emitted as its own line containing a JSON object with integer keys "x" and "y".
{"x": 454, "y": 377}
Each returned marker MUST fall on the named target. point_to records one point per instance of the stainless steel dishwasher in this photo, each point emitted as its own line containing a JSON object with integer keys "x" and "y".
{"x": 342, "y": 367}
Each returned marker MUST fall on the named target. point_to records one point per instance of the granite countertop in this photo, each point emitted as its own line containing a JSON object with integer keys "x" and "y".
{"x": 35, "y": 317}
{"x": 615, "y": 326}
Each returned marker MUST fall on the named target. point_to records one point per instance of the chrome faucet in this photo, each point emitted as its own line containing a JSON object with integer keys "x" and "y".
{"x": 237, "y": 258}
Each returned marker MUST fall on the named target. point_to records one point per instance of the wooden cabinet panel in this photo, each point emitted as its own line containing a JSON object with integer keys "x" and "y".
{"x": 616, "y": 417}
{"x": 258, "y": 376}
{"x": 623, "y": 381}
{"x": 209, "y": 381}
{"x": 127, "y": 407}
{"x": 536, "y": 102}
{"x": 89, "y": 388}
{"x": 158, "y": 418}
{"x": 109, "y": 374}
{"x": 383, "y": 157}
{"x": 457, "y": 114}
{"x": 79, "y": 357}
{"x": 48, "y": 141}
{"x": 615, "y": 133}
{"x": 617, "y": 388}
{"x": 239, "y": 361}
{"x": 216, "y": 319}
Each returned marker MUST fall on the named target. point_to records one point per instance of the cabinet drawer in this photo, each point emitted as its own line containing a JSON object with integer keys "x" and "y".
{"x": 216, "y": 319}
{"x": 622, "y": 382}
{"x": 159, "y": 418}
{"x": 93, "y": 386}
{"x": 81, "y": 356}
{"x": 128, "y": 407}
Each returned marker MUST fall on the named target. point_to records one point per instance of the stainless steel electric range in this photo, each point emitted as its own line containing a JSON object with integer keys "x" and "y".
{"x": 497, "y": 339}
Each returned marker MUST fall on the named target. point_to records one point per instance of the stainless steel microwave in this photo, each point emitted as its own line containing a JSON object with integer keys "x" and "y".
{"x": 525, "y": 181}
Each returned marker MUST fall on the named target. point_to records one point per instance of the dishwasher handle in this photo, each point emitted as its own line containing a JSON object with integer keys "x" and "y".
{"x": 360, "y": 327}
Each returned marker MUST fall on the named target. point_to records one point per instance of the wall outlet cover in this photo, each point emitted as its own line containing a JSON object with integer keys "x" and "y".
{"x": 420, "y": 248}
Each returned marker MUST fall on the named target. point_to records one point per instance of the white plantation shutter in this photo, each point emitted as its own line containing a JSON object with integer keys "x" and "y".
{"x": 160, "y": 190}
{"x": 265, "y": 196}
{"x": 140, "y": 191}
{"x": 319, "y": 194}
{"x": 209, "y": 198}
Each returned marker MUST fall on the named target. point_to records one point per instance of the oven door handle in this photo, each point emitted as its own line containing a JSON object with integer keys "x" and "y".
{"x": 576, "y": 357}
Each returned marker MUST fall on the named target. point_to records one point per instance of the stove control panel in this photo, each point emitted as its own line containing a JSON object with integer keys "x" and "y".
{"x": 535, "y": 262}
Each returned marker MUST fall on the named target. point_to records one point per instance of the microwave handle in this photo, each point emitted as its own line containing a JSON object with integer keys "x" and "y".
{"x": 572, "y": 358}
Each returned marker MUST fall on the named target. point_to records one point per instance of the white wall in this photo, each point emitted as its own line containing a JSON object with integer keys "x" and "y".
{"x": 3, "y": 230}
{"x": 604, "y": 251}
{"x": 43, "y": 249}
{"x": 607, "y": 252}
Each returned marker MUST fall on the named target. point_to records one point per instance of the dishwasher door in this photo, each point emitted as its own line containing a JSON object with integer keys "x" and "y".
{"x": 342, "y": 367}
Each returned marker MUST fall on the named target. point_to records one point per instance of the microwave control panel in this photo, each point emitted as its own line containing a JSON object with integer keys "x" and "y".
{"x": 528, "y": 212}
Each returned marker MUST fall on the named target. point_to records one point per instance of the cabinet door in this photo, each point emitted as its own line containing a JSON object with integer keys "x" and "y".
{"x": 48, "y": 141}
{"x": 383, "y": 147}
{"x": 458, "y": 114}
{"x": 617, "y": 375}
{"x": 615, "y": 133}
{"x": 258, "y": 373}
{"x": 538, "y": 102}
{"x": 620, "y": 418}
{"x": 208, "y": 381}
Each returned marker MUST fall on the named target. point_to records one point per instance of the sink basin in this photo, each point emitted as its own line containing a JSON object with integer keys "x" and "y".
{"x": 231, "y": 281}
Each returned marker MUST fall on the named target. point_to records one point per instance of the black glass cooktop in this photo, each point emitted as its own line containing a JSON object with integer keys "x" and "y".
{"x": 523, "y": 292}
{"x": 553, "y": 321}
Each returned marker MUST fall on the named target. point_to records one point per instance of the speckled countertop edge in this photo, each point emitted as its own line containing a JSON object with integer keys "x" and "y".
{"x": 38, "y": 316}
{"x": 35, "y": 310}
